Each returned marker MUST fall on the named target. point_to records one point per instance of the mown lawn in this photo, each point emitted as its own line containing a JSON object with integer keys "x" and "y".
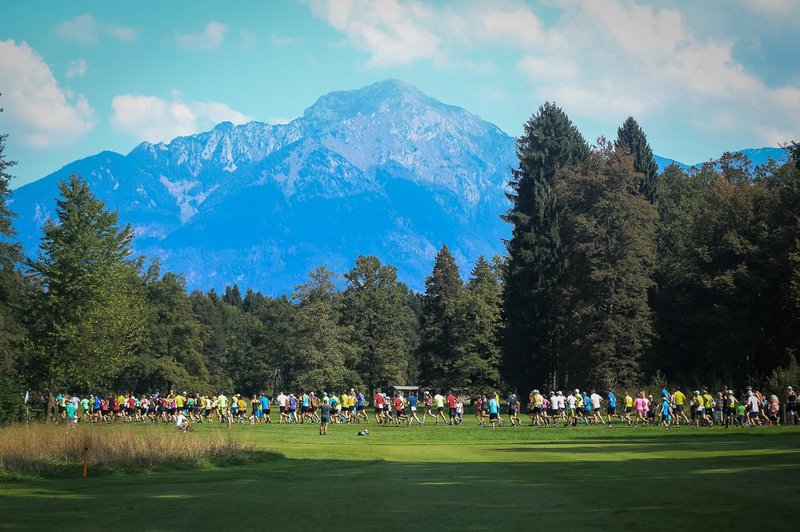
{"x": 454, "y": 478}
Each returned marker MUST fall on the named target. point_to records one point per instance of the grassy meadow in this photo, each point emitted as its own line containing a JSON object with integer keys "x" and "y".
{"x": 455, "y": 478}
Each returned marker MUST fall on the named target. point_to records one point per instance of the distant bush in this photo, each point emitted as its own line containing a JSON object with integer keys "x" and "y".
{"x": 47, "y": 450}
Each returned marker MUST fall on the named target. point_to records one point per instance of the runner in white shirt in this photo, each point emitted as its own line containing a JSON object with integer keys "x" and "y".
{"x": 752, "y": 407}
{"x": 282, "y": 398}
{"x": 181, "y": 422}
{"x": 571, "y": 404}
{"x": 596, "y": 400}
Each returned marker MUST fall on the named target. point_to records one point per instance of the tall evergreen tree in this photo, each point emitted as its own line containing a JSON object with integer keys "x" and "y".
{"x": 247, "y": 364}
{"x": 535, "y": 264}
{"x": 631, "y": 138}
{"x": 215, "y": 344}
{"x": 233, "y": 296}
{"x": 376, "y": 307}
{"x": 442, "y": 324}
{"x": 321, "y": 353}
{"x": 277, "y": 345}
{"x": 483, "y": 320}
{"x": 11, "y": 330}
{"x": 90, "y": 317}
{"x": 609, "y": 243}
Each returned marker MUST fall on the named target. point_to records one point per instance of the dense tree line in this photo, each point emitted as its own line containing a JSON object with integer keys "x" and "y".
{"x": 617, "y": 274}
{"x": 614, "y": 273}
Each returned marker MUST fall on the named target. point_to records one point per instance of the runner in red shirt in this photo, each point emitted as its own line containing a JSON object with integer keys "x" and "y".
{"x": 451, "y": 405}
{"x": 398, "y": 409}
{"x": 379, "y": 405}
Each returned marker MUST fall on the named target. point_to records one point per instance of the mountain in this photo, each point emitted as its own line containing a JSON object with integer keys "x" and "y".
{"x": 757, "y": 156}
{"x": 383, "y": 170}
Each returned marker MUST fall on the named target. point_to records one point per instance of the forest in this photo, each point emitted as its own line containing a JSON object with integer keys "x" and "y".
{"x": 615, "y": 274}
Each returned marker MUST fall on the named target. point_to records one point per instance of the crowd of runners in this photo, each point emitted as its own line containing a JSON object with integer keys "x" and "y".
{"x": 554, "y": 409}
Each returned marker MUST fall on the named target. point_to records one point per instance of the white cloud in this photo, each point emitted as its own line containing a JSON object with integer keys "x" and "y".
{"x": 39, "y": 113}
{"x": 640, "y": 60}
{"x": 209, "y": 39}
{"x": 281, "y": 41}
{"x": 397, "y": 32}
{"x": 156, "y": 119}
{"x": 122, "y": 33}
{"x": 249, "y": 39}
{"x": 393, "y": 33}
{"x": 76, "y": 69}
{"x": 85, "y": 29}
{"x": 603, "y": 59}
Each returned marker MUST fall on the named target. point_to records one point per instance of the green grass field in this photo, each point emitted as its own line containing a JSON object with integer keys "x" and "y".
{"x": 455, "y": 478}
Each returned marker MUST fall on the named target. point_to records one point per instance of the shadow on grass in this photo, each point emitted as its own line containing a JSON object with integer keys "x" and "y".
{"x": 304, "y": 494}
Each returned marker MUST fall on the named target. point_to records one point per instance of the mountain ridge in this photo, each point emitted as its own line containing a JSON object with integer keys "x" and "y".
{"x": 384, "y": 170}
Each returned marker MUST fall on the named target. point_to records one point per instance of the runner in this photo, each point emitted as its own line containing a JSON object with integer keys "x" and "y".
{"x": 611, "y": 409}
{"x": 427, "y": 401}
{"x": 413, "y": 400}
{"x": 325, "y": 418}
{"x": 666, "y": 412}
{"x": 438, "y": 403}
{"x": 451, "y": 408}
{"x": 679, "y": 399}
{"x": 265, "y": 408}
{"x": 399, "y": 415}
{"x": 378, "y": 406}
{"x": 478, "y": 404}
{"x": 572, "y": 403}
{"x": 595, "y": 399}
{"x": 361, "y": 408}
{"x": 732, "y": 402}
{"x": 708, "y": 404}
{"x": 774, "y": 409}
{"x": 512, "y": 408}
{"x": 641, "y": 408}
{"x": 494, "y": 410}
{"x": 753, "y": 405}
{"x": 70, "y": 413}
{"x": 628, "y": 409}
{"x": 792, "y": 416}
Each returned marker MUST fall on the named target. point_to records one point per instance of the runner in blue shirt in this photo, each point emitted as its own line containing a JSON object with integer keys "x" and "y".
{"x": 265, "y": 408}
{"x": 361, "y": 404}
{"x": 413, "y": 401}
{"x": 293, "y": 408}
{"x": 494, "y": 411}
{"x": 666, "y": 413}
{"x": 611, "y": 409}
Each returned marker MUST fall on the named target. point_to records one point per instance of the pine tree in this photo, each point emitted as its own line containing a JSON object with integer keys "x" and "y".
{"x": 322, "y": 355}
{"x": 276, "y": 346}
{"x": 442, "y": 324}
{"x": 233, "y": 296}
{"x": 90, "y": 317}
{"x": 480, "y": 363}
{"x": 631, "y": 138}
{"x": 609, "y": 243}
{"x": 535, "y": 264}
{"x": 215, "y": 344}
{"x": 376, "y": 307}
{"x": 12, "y": 332}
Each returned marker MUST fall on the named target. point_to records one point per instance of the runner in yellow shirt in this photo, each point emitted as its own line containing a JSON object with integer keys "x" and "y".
{"x": 628, "y": 408}
{"x": 679, "y": 399}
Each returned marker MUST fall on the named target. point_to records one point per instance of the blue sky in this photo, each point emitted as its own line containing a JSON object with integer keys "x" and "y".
{"x": 701, "y": 77}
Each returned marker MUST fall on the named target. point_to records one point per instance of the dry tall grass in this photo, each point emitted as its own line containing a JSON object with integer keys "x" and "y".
{"x": 57, "y": 450}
